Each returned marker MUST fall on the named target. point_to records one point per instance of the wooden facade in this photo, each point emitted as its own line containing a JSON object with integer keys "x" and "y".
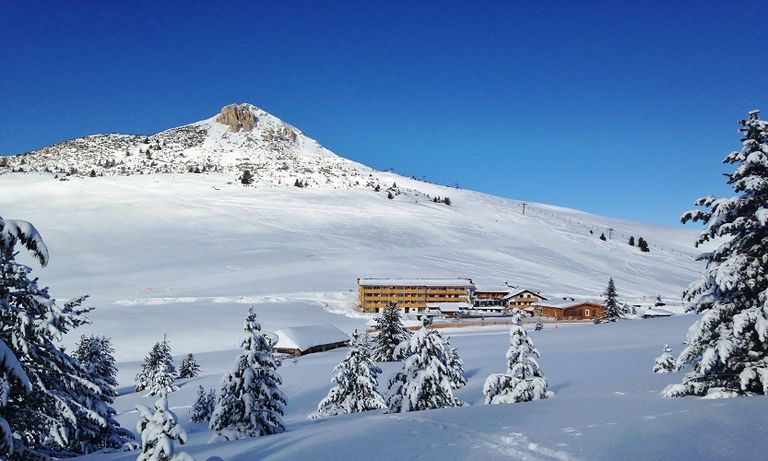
{"x": 523, "y": 299}
{"x": 574, "y": 310}
{"x": 411, "y": 295}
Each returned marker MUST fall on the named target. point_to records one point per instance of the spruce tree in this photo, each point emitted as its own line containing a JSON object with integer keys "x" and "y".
{"x": 189, "y": 367}
{"x": 247, "y": 178}
{"x": 391, "y": 333}
{"x": 159, "y": 430}
{"x": 356, "y": 384}
{"x": 250, "y": 402}
{"x": 426, "y": 380}
{"x": 631, "y": 240}
{"x": 727, "y": 348}
{"x": 12, "y": 377}
{"x": 612, "y": 308}
{"x": 455, "y": 367}
{"x": 54, "y": 418}
{"x": 665, "y": 363}
{"x": 523, "y": 380}
{"x": 95, "y": 354}
{"x": 643, "y": 245}
{"x": 602, "y": 237}
{"x": 158, "y": 371}
{"x": 659, "y": 302}
{"x": 204, "y": 405}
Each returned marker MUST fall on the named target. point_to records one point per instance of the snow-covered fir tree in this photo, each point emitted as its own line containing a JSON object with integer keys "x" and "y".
{"x": 160, "y": 430}
{"x": 250, "y": 402}
{"x": 56, "y": 417}
{"x": 204, "y": 405}
{"x": 612, "y": 309}
{"x": 356, "y": 384}
{"x": 455, "y": 366}
{"x": 189, "y": 367}
{"x": 11, "y": 372}
{"x": 425, "y": 381}
{"x": 523, "y": 380}
{"x": 727, "y": 348}
{"x": 665, "y": 363}
{"x": 158, "y": 371}
{"x": 391, "y": 333}
{"x": 95, "y": 354}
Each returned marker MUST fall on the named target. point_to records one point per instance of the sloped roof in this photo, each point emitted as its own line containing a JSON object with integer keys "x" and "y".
{"x": 401, "y": 282}
{"x": 516, "y": 293}
{"x": 307, "y": 336}
{"x": 565, "y": 304}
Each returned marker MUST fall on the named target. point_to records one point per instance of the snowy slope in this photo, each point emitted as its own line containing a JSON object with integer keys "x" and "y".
{"x": 197, "y": 250}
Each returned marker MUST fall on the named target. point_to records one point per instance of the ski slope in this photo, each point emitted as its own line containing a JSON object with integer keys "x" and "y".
{"x": 174, "y": 254}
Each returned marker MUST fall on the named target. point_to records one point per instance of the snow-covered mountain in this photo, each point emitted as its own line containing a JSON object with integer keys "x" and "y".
{"x": 191, "y": 248}
{"x": 241, "y": 137}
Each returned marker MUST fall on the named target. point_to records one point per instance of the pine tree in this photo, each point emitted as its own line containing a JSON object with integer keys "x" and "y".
{"x": 247, "y": 178}
{"x": 447, "y": 201}
{"x": 158, "y": 371}
{"x": 356, "y": 384}
{"x": 612, "y": 308}
{"x": 189, "y": 367}
{"x": 12, "y": 376}
{"x": 455, "y": 367}
{"x": 425, "y": 381}
{"x": 204, "y": 405}
{"x": 95, "y": 354}
{"x": 727, "y": 348}
{"x": 665, "y": 363}
{"x": 632, "y": 240}
{"x": 602, "y": 237}
{"x": 391, "y": 333}
{"x": 539, "y": 324}
{"x": 643, "y": 245}
{"x": 389, "y": 195}
{"x": 523, "y": 380}
{"x": 250, "y": 402}
{"x": 53, "y": 418}
{"x": 159, "y": 430}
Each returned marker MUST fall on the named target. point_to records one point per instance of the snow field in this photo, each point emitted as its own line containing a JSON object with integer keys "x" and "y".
{"x": 607, "y": 406}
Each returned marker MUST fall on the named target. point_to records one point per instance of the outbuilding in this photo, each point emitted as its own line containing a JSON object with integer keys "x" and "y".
{"x": 570, "y": 309}
{"x": 307, "y": 339}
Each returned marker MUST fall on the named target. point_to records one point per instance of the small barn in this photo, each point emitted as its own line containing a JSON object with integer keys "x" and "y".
{"x": 570, "y": 309}
{"x": 307, "y": 339}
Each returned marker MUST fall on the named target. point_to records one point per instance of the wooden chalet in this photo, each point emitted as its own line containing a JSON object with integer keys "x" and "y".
{"x": 411, "y": 295}
{"x": 523, "y": 299}
{"x": 569, "y": 309}
{"x": 307, "y": 339}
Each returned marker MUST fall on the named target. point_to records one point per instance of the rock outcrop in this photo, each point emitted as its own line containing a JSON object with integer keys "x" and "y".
{"x": 237, "y": 117}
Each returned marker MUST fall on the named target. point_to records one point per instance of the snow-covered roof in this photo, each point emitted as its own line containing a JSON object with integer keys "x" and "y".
{"x": 448, "y": 307}
{"x": 657, "y": 313}
{"x": 416, "y": 282}
{"x": 517, "y": 293}
{"x": 307, "y": 336}
{"x": 565, "y": 304}
{"x": 491, "y": 289}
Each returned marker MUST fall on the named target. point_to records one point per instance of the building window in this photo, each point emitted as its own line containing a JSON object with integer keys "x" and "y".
{"x": 586, "y": 312}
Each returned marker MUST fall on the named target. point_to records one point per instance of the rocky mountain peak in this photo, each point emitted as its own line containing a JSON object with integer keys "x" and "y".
{"x": 238, "y": 117}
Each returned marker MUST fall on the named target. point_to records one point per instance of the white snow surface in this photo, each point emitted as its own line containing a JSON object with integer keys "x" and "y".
{"x": 188, "y": 254}
{"x": 608, "y": 406}
{"x": 307, "y": 336}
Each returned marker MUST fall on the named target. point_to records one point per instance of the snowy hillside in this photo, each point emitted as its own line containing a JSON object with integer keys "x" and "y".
{"x": 197, "y": 249}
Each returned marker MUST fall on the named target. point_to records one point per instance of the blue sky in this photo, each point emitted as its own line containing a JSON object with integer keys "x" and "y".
{"x": 620, "y": 108}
